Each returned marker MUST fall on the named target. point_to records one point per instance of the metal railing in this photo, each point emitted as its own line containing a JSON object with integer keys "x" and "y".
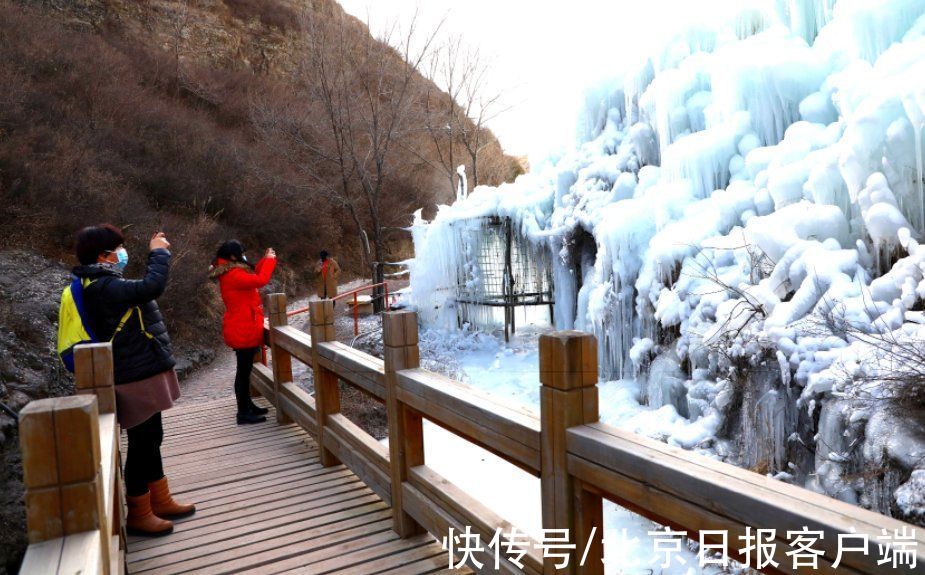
{"x": 354, "y": 294}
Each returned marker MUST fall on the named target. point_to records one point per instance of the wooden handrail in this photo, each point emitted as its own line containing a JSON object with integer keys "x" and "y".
{"x": 510, "y": 433}
{"x": 686, "y": 491}
{"x": 72, "y": 474}
{"x": 579, "y": 460}
{"x": 345, "y": 295}
{"x": 356, "y": 316}
{"x": 341, "y": 296}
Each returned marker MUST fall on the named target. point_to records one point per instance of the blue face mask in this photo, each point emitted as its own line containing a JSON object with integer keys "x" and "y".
{"x": 123, "y": 259}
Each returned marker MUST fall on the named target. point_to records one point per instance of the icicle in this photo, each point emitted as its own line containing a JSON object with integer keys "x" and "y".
{"x": 808, "y": 17}
{"x": 917, "y": 117}
{"x": 462, "y": 186}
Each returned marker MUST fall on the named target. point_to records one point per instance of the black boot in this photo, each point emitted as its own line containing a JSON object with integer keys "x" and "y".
{"x": 247, "y": 417}
{"x": 247, "y": 411}
{"x": 256, "y": 409}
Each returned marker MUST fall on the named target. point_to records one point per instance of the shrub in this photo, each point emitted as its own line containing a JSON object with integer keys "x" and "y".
{"x": 270, "y": 13}
{"x": 89, "y": 132}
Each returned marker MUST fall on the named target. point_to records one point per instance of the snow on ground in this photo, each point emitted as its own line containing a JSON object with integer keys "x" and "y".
{"x": 511, "y": 371}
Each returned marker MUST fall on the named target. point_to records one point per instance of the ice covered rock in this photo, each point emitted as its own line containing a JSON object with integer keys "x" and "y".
{"x": 880, "y": 211}
{"x": 777, "y": 232}
{"x": 667, "y": 383}
{"x": 910, "y": 497}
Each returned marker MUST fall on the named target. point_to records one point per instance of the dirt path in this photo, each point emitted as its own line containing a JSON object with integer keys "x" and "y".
{"x": 216, "y": 380}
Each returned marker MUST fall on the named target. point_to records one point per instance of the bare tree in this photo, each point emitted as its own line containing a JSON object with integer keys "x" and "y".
{"x": 443, "y": 112}
{"x": 179, "y": 23}
{"x": 457, "y": 118}
{"x": 360, "y": 104}
{"x": 893, "y": 367}
{"x": 480, "y": 106}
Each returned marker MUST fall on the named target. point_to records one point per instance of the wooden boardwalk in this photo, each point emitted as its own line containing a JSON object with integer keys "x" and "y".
{"x": 266, "y": 505}
{"x": 271, "y": 501}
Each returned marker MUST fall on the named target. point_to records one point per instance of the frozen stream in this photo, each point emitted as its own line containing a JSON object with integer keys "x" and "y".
{"x": 511, "y": 371}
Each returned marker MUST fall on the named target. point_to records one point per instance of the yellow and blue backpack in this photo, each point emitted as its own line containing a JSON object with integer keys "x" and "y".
{"x": 73, "y": 327}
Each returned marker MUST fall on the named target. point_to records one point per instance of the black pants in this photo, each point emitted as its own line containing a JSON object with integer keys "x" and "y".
{"x": 143, "y": 462}
{"x": 242, "y": 377}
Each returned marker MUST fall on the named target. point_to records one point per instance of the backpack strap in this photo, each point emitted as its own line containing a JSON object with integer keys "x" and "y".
{"x": 141, "y": 321}
{"x": 125, "y": 318}
{"x": 77, "y": 294}
{"x": 122, "y": 321}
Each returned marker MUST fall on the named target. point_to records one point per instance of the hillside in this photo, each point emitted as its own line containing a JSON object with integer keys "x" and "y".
{"x": 199, "y": 119}
{"x": 176, "y": 131}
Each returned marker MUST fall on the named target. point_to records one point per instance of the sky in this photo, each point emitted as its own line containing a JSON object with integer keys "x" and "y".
{"x": 543, "y": 55}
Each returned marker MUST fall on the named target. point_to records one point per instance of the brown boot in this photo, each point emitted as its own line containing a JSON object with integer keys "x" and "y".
{"x": 162, "y": 502}
{"x": 142, "y": 521}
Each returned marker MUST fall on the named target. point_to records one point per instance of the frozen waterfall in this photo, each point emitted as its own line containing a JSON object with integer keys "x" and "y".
{"x": 740, "y": 229}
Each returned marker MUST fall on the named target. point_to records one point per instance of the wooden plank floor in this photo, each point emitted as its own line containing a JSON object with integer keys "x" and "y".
{"x": 265, "y": 505}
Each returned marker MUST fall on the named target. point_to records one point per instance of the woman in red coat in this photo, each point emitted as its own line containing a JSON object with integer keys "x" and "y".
{"x": 242, "y": 325}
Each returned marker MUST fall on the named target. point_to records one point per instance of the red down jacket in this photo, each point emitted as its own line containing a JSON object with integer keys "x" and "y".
{"x": 242, "y": 324}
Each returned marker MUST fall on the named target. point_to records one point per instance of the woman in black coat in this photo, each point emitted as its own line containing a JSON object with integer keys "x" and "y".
{"x": 125, "y": 312}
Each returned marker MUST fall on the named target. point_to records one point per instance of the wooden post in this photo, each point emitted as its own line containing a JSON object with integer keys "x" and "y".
{"x": 356, "y": 315}
{"x": 60, "y": 442}
{"x": 568, "y": 397}
{"x": 406, "y": 433}
{"x": 327, "y": 394}
{"x": 280, "y": 358}
{"x": 93, "y": 374}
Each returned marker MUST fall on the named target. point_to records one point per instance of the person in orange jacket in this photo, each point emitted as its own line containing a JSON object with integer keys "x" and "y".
{"x": 242, "y": 324}
{"x": 328, "y": 271}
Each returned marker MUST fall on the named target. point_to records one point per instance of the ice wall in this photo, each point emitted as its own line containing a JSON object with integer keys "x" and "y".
{"x": 744, "y": 214}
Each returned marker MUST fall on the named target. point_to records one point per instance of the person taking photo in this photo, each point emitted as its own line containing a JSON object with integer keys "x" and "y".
{"x": 242, "y": 324}
{"x": 125, "y": 312}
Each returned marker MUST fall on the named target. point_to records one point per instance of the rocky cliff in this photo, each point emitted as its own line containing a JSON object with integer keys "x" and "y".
{"x": 30, "y": 290}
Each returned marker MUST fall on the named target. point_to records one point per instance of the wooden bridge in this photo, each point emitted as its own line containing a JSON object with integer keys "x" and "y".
{"x": 314, "y": 493}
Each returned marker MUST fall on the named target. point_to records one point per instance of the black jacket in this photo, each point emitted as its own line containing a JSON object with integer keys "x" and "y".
{"x": 135, "y": 355}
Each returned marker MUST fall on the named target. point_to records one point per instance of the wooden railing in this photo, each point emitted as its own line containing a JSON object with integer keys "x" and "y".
{"x": 353, "y": 294}
{"x": 346, "y": 295}
{"x": 73, "y": 488}
{"x": 578, "y": 460}
{"x": 72, "y": 475}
